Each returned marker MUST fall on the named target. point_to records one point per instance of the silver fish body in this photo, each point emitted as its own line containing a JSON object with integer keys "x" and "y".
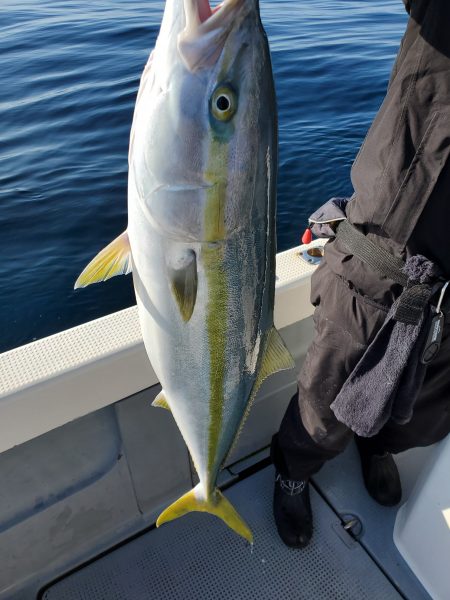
{"x": 201, "y": 230}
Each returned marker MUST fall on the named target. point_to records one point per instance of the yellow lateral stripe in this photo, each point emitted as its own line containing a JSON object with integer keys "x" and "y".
{"x": 213, "y": 255}
{"x": 214, "y": 220}
{"x": 216, "y": 323}
{"x": 113, "y": 260}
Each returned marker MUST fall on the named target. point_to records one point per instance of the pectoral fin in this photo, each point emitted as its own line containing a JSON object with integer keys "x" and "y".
{"x": 183, "y": 282}
{"x": 160, "y": 401}
{"x": 113, "y": 260}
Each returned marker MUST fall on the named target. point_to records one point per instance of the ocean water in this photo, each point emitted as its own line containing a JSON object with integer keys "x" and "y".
{"x": 68, "y": 80}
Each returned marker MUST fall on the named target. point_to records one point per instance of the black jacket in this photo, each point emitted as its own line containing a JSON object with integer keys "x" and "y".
{"x": 401, "y": 175}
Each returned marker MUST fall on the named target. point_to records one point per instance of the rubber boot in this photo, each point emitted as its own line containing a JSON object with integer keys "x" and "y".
{"x": 292, "y": 512}
{"x": 380, "y": 474}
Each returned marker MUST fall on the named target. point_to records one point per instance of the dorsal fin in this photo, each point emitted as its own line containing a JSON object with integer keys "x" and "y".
{"x": 113, "y": 260}
{"x": 276, "y": 358}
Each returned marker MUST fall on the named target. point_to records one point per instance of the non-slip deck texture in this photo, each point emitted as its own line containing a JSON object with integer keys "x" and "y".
{"x": 198, "y": 557}
{"x": 341, "y": 483}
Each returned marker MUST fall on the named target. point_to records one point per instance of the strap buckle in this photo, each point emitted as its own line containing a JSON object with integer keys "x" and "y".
{"x": 441, "y": 296}
{"x": 435, "y": 331}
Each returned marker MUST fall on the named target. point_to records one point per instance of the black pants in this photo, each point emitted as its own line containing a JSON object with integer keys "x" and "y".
{"x": 345, "y": 323}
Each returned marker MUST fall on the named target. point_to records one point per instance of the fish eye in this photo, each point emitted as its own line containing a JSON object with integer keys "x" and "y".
{"x": 223, "y": 103}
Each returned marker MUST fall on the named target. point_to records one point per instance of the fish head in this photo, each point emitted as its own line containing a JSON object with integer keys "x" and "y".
{"x": 208, "y": 121}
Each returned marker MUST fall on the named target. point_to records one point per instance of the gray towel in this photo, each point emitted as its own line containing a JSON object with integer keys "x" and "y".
{"x": 386, "y": 381}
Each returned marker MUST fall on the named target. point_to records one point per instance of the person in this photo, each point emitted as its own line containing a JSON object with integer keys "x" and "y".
{"x": 401, "y": 203}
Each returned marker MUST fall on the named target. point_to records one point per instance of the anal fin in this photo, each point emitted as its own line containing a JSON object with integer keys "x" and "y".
{"x": 161, "y": 401}
{"x": 113, "y": 260}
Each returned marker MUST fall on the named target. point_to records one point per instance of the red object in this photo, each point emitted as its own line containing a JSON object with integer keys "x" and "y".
{"x": 307, "y": 236}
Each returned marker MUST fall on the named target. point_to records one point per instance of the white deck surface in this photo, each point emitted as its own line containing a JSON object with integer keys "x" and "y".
{"x": 199, "y": 558}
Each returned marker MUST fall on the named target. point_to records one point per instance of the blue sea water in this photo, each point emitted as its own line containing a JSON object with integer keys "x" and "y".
{"x": 68, "y": 80}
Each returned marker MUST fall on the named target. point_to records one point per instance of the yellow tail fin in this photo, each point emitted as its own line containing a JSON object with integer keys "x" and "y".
{"x": 217, "y": 505}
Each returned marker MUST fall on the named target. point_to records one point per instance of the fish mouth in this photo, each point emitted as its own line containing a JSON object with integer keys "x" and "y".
{"x": 200, "y": 14}
{"x": 207, "y": 29}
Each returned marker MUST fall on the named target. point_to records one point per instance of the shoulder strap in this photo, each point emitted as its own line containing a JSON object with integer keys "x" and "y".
{"x": 370, "y": 253}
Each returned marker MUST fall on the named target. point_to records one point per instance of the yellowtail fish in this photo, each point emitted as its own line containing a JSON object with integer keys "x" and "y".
{"x": 201, "y": 230}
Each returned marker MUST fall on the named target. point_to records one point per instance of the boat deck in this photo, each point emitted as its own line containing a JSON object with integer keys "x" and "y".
{"x": 198, "y": 557}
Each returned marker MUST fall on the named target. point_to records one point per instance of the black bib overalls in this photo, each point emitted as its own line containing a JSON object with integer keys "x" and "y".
{"x": 401, "y": 179}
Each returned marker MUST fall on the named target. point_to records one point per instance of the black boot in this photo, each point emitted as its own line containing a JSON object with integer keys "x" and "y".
{"x": 380, "y": 474}
{"x": 292, "y": 511}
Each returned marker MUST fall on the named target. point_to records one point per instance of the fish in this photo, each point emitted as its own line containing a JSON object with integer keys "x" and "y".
{"x": 201, "y": 239}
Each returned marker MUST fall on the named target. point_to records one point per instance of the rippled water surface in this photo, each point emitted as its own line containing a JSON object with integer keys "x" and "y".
{"x": 68, "y": 79}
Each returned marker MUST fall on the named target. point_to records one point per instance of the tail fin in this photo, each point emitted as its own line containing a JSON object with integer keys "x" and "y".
{"x": 217, "y": 505}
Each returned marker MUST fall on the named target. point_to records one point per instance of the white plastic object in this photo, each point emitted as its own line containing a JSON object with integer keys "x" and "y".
{"x": 55, "y": 380}
{"x": 422, "y": 526}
